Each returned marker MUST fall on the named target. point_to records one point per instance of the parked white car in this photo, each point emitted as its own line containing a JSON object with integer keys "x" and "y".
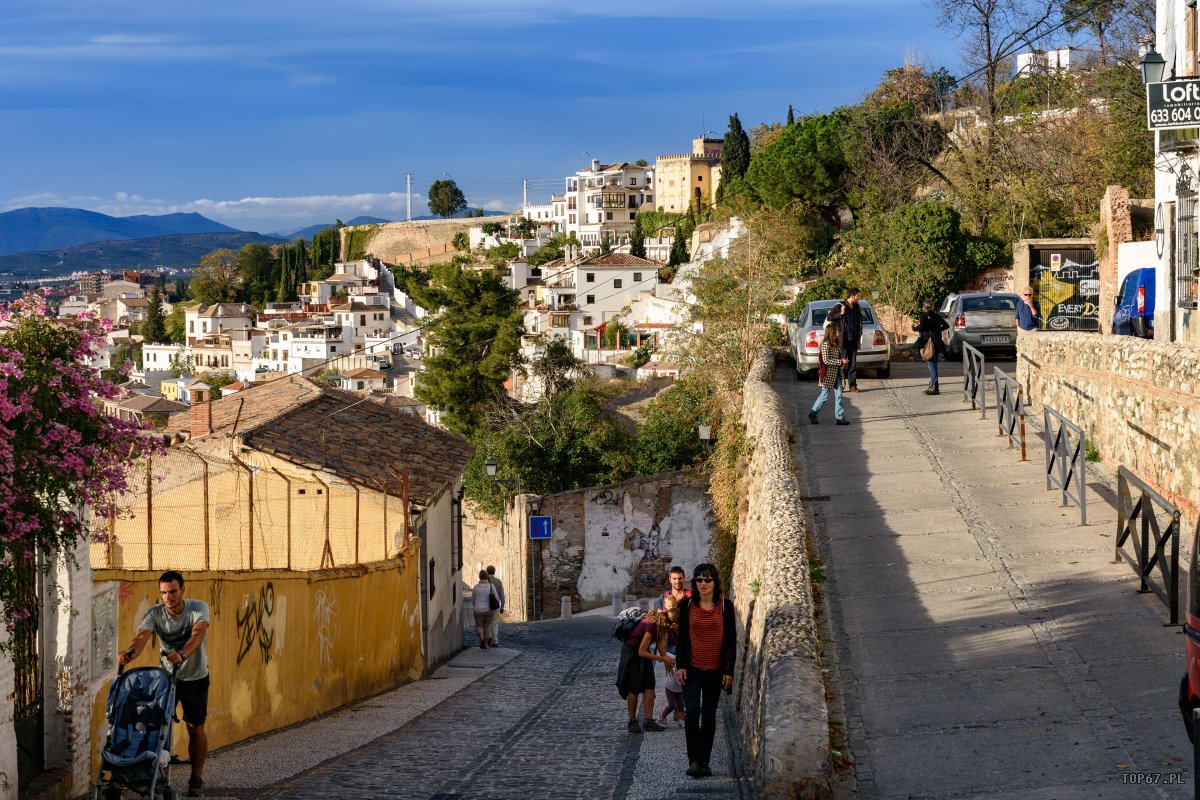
{"x": 874, "y": 350}
{"x": 412, "y": 351}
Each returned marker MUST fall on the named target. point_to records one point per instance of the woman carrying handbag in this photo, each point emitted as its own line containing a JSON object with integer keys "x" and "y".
{"x": 929, "y": 344}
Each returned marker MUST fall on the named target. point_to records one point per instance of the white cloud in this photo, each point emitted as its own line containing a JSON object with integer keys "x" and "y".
{"x": 264, "y": 214}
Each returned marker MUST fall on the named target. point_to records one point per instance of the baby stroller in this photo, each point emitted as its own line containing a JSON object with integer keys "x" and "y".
{"x": 137, "y": 754}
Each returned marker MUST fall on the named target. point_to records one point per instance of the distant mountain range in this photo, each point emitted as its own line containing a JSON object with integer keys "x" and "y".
{"x": 39, "y": 229}
{"x": 40, "y": 242}
{"x": 313, "y": 230}
{"x": 178, "y": 250}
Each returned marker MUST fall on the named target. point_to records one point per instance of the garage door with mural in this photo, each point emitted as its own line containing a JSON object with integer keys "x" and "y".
{"x": 1066, "y": 283}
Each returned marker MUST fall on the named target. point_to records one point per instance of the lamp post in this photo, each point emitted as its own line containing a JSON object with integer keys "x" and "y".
{"x": 511, "y": 484}
{"x": 1153, "y": 67}
{"x": 705, "y": 434}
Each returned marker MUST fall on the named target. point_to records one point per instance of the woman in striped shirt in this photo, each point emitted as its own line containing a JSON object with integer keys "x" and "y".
{"x": 704, "y": 657}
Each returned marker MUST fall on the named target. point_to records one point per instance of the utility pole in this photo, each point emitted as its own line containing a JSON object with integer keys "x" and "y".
{"x": 408, "y": 183}
{"x": 524, "y": 194}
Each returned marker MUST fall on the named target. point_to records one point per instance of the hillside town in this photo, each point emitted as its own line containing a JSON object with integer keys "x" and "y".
{"x": 850, "y": 455}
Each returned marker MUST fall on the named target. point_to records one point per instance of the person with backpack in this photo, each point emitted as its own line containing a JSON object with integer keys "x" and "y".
{"x": 705, "y": 656}
{"x": 635, "y": 670}
{"x": 485, "y": 603}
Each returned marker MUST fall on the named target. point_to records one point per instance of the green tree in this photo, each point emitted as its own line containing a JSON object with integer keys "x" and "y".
{"x": 216, "y": 279}
{"x": 679, "y": 251}
{"x": 557, "y": 368}
{"x": 637, "y": 242}
{"x": 916, "y": 252}
{"x": 605, "y": 243}
{"x": 325, "y": 253}
{"x": 566, "y": 441}
{"x": 475, "y": 336}
{"x": 181, "y": 364}
{"x": 446, "y": 199}
{"x": 526, "y": 228}
{"x": 791, "y": 117}
{"x": 175, "y": 325}
{"x": 806, "y": 164}
{"x": 461, "y": 242}
{"x": 667, "y": 438}
{"x": 735, "y": 154}
{"x": 155, "y": 330}
{"x": 256, "y": 269}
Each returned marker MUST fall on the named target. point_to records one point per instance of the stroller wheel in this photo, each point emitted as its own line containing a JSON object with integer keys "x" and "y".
{"x": 169, "y": 793}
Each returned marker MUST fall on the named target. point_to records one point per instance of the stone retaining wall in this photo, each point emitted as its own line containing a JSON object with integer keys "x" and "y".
{"x": 780, "y": 691}
{"x": 1138, "y": 400}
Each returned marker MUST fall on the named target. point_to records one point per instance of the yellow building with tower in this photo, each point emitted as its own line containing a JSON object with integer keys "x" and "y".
{"x": 688, "y": 179}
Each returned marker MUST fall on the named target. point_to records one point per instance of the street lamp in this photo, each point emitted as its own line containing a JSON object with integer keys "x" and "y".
{"x": 511, "y": 483}
{"x": 1153, "y": 67}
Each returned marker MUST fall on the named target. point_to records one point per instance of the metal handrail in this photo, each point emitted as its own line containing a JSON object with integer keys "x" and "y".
{"x": 1010, "y": 410}
{"x": 1065, "y": 462}
{"x": 973, "y": 388}
{"x": 1147, "y": 536}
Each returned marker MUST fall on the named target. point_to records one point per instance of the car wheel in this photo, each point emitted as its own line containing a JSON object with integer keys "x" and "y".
{"x": 884, "y": 372}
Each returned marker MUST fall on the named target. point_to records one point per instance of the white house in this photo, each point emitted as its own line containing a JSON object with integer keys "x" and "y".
{"x": 202, "y": 320}
{"x": 602, "y": 201}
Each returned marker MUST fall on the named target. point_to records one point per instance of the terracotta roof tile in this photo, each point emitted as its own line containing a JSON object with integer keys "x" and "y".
{"x": 617, "y": 260}
{"x": 370, "y": 443}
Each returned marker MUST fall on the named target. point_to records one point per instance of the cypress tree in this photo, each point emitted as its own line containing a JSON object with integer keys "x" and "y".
{"x": 155, "y": 328}
{"x": 679, "y": 252}
{"x": 791, "y": 116}
{"x": 637, "y": 242}
{"x": 735, "y": 152}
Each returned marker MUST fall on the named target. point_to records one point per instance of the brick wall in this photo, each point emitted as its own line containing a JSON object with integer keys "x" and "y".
{"x": 1138, "y": 400}
{"x": 780, "y": 691}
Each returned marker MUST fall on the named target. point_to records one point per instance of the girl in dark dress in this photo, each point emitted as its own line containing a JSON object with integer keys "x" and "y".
{"x": 930, "y": 326}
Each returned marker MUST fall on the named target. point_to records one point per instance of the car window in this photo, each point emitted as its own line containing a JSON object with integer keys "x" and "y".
{"x": 1128, "y": 290}
{"x": 991, "y": 303}
{"x": 819, "y": 315}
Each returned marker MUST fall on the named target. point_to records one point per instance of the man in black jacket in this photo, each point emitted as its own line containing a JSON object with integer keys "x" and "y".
{"x": 851, "y": 320}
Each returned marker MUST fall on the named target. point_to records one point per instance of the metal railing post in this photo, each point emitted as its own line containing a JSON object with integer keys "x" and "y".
{"x": 1138, "y": 520}
{"x": 1065, "y": 464}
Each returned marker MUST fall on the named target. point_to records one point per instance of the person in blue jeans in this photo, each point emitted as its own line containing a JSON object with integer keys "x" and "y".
{"x": 835, "y": 365}
{"x": 930, "y": 326}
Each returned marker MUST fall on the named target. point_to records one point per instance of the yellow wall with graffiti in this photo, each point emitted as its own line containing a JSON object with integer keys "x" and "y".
{"x": 285, "y": 646}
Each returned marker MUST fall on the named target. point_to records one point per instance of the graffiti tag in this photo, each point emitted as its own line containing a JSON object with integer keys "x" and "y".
{"x": 648, "y": 542}
{"x": 325, "y": 614}
{"x": 607, "y": 497}
{"x": 252, "y": 623}
{"x": 215, "y": 588}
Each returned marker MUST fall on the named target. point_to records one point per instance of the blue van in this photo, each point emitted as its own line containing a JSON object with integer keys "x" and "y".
{"x": 1134, "y": 314}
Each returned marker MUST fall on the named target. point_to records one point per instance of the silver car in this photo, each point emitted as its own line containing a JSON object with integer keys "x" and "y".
{"x": 874, "y": 350}
{"x": 985, "y": 320}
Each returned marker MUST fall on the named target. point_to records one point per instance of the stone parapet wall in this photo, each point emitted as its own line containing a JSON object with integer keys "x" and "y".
{"x": 780, "y": 690}
{"x": 1138, "y": 400}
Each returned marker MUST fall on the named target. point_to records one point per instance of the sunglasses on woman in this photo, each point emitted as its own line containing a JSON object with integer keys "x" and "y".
{"x": 704, "y": 579}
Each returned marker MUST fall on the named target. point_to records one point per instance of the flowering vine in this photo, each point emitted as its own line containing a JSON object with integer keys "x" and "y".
{"x": 58, "y": 452}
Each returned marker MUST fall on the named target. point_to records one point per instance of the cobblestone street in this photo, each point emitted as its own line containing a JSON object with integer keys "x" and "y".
{"x": 547, "y": 724}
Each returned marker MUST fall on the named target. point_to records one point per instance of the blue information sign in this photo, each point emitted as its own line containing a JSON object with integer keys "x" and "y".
{"x": 541, "y": 527}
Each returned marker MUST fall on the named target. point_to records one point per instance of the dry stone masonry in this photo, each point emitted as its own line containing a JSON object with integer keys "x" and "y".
{"x": 780, "y": 693}
{"x": 1138, "y": 400}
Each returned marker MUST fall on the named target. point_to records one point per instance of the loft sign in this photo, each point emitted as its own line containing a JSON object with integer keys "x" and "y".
{"x": 1173, "y": 104}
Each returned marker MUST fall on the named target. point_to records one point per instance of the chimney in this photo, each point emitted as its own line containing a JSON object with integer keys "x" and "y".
{"x": 595, "y": 165}
{"x": 201, "y": 419}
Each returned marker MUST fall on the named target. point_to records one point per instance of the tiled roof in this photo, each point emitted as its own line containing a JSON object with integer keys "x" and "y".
{"x": 364, "y": 372}
{"x": 134, "y": 302}
{"x": 225, "y": 310}
{"x": 151, "y": 404}
{"x": 617, "y": 260}
{"x": 318, "y": 427}
{"x": 357, "y": 307}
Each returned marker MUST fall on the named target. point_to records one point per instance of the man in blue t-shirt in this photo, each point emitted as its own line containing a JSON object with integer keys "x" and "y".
{"x": 180, "y": 626}
{"x": 1029, "y": 313}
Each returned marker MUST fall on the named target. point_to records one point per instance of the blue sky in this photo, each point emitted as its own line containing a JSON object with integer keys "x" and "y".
{"x": 269, "y": 115}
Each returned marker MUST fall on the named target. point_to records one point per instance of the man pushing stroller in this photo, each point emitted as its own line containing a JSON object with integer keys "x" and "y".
{"x": 181, "y": 626}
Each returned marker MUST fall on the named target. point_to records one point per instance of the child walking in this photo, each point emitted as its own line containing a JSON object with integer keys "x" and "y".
{"x": 833, "y": 366}
{"x": 672, "y": 686}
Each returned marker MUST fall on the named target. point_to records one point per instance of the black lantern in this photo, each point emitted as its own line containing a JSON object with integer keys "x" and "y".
{"x": 1153, "y": 67}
